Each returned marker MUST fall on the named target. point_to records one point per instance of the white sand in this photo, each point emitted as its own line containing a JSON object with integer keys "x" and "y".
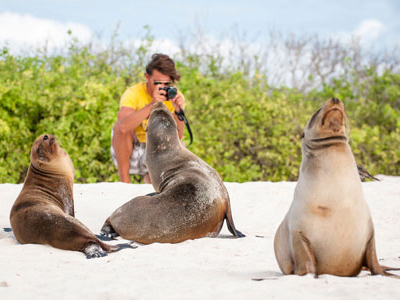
{"x": 219, "y": 268}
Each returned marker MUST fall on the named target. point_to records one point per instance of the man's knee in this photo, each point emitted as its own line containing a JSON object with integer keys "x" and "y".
{"x": 146, "y": 178}
{"x": 119, "y": 133}
{"x": 121, "y": 129}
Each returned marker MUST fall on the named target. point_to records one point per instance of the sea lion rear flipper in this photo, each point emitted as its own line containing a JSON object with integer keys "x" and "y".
{"x": 152, "y": 194}
{"x": 231, "y": 225}
{"x": 303, "y": 256}
{"x": 118, "y": 247}
{"x": 114, "y": 248}
{"x": 365, "y": 174}
{"x": 371, "y": 261}
{"x": 386, "y": 268}
{"x": 104, "y": 238}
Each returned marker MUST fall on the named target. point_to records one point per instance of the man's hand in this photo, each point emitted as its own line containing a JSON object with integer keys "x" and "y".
{"x": 159, "y": 95}
{"x": 178, "y": 102}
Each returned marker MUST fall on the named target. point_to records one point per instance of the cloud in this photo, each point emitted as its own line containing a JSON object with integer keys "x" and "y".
{"x": 22, "y": 30}
{"x": 162, "y": 45}
{"x": 166, "y": 46}
{"x": 369, "y": 30}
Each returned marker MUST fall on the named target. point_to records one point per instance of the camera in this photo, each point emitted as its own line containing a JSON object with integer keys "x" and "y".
{"x": 171, "y": 92}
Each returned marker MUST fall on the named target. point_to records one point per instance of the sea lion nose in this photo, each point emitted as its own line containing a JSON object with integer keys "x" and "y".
{"x": 335, "y": 101}
{"x": 46, "y": 137}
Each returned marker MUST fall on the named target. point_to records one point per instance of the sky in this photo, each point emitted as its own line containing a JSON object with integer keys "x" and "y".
{"x": 31, "y": 23}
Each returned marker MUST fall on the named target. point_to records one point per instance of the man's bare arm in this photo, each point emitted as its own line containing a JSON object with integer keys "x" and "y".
{"x": 128, "y": 118}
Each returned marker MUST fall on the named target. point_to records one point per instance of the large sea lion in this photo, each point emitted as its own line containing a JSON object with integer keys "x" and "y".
{"x": 190, "y": 202}
{"x": 44, "y": 210}
{"x": 328, "y": 228}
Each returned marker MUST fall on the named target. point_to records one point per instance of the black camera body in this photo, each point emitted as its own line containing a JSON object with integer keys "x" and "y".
{"x": 171, "y": 92}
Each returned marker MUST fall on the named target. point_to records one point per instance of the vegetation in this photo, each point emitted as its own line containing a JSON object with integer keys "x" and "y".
{"x": 245, "y": 128}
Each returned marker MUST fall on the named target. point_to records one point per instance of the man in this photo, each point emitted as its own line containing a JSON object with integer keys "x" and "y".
{"x": 128, "y": 140}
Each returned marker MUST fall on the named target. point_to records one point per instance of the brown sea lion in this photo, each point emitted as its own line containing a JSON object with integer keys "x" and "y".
{"x": 328, "y": 228}
{"x": 44, "y": 210}
{"x": 190, "y": 202}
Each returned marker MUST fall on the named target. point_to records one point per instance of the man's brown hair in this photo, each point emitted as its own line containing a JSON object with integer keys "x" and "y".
{"x": 163, "y": 64}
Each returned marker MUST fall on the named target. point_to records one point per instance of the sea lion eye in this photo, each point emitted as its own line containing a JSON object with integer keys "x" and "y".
{"x": 46, "y": 137}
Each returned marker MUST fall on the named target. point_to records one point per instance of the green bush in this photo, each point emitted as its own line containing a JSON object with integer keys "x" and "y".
{"x": 373, "y": 107}
{"x": 245, "y": 129}
{"x": 71, "y": 97}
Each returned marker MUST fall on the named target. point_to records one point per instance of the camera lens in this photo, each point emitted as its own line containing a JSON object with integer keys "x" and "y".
{"x": 171, "y": 92}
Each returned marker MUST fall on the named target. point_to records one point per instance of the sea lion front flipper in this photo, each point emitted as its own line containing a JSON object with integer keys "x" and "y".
{"x": 94, "y": 251}
{"x": 282, "y": 249}
{"x": 303, "y": 256}
{"x": 107, "y": 231}
{"x": 231, "y": 225}
{"x": 371, "y": 260}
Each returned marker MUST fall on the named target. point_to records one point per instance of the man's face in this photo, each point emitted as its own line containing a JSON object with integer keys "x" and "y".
{"x": 157, "y": 80}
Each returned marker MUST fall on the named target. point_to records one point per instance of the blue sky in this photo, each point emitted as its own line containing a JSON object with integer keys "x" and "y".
{"x": 30, "y": 21}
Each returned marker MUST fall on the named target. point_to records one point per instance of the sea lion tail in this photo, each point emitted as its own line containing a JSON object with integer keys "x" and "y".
{"x": 230, "y": 224}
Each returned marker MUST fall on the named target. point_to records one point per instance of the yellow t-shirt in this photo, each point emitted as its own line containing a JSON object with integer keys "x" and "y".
{"x": 137, "y": 97}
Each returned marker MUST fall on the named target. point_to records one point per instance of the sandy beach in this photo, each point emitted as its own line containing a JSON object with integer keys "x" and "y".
{"x": 207, "y": 268}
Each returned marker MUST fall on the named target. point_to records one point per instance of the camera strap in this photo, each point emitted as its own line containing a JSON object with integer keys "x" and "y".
{"x": 181, "y": 116}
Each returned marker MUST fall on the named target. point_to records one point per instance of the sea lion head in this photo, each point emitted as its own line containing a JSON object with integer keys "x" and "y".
{"x": 327, "y": 123}
{"x": 161, "y": 131}
{"x": 47, "y": 155}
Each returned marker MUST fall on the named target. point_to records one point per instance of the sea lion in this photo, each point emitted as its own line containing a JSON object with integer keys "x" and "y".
{"x": 191, "y": 200}
{"x": 328, "y": 228}
{"x": 43, "y": 213}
